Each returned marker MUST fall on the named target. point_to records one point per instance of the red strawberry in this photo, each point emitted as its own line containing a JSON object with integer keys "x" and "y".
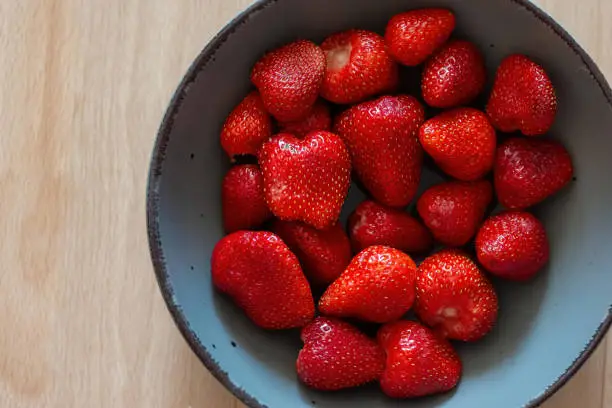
{"x": 319, "y": 118}
{"x": 337, "y": 355}
{"x": 382, "y": 137}
{"x": 454, "y": 76}
{"x": 324, "y": 254}
{"x": 358, "y": 67}
{"x": 454, "y": 297}
{"x": 461, "y": 142}
{"x": 512, "y": 245}
{"x": 306, "y": 180}
{"x": 454, "y": 210}
{"x": 242, "y": 197}
{"x": 373, "y": 224}
{"x": 259, "y": 272}
{"x": 523, "y": 97}
{"x": 419, "y": 362}
{"x": 246, "y": 127}
{"x": 289, "y": 79}
{"x": 527, "y": 171}
{"x": 377, "y": 286}
{"x": 414, "y": 35}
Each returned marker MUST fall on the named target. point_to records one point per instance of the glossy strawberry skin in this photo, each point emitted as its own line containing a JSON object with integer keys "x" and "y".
{"x": 319, "y": 118}
{"x": 377, "y": 286}
{"x": 461, "y": 142}
{"x": 512, "y": 245}
{"x": 259, "y": 272}
{"x": 306, "y": 180}
{"x": 242, "y": 199}
{"x": 382, "y": 137}
{"x": 454, "y": 297}
{"x": 527, "y": 171}
{"x": 336, "y": 355}
{"x": 323, "y": 254}
{"x": 419, "y": 362}
{"x": 415, "y": 35}
{"x": 374, "y": 224}
{"x": 289, "y": 79}
{"x": 453, "y": 210}
{"x": 247, "y": 127}
{"x": 454, "y": 76}
{"x": 523, "y": 97}
{"x": 358, "y": 67}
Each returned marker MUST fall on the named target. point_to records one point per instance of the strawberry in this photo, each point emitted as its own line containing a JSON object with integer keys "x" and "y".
{"x": 306, "y": 180}
{"x": 246, "y": 127}
{"x": 324, "y": 254}
{"x": 454, "y": 297}
{"x": 259, "y": 272}
{"x": 289, "y": 79}
{"x": 374, "y": 224}
{"x": 454, "y": 210}
{"x": 419, "y": 362}
{"x": 414, "y": 35}
{"x": 527, "y": 171}
{"x": 319, "y": 118}
{"x": 337, "y": 355}
{"x": 382, "y": 137}
{"x": 454, "y": 76}
{"x": 461, "y": 142}
{"x": 523, "y": 97}
{"x": 512, "y": 245}
{"x": 242, "y": 198}
{"x": 377, "y": 286}
{"x": 358, "y": 67}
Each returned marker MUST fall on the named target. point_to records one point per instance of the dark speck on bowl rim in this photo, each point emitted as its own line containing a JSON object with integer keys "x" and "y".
{"x": 155, "y": 172}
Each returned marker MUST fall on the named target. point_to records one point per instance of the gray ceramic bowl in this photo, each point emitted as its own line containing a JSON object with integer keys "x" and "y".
{"x": 546, "y": 330}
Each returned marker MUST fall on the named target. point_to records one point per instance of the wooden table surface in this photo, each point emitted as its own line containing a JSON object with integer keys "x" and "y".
{"x": 83, "y": 86}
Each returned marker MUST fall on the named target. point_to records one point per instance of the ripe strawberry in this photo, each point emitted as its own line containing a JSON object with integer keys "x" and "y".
{"x": 454, "y": 210}
{"x": 414, "y": 35}
{"x": 454, "y": 297}
{"x": 306, "y": 180}
{"x": 512, "y": 245}
{"x": 246, "y": 127}
{"x": 377, "y": 286}
{"x": 319, "y": 118}
{"x": 454, "y": 76}
{"x": 373, "y": 224}
{"x": 523, "y": 97}
{"x": 358, "y": 67}
{"x": 527, "y": 171}
{"x": 259, "y": 272}
{"x": 461, "y": 142}
{"x": 419, "y": 362}
{"x": 337, "y": 355}
{"x": 382, "y": 137}
{"x": 242, "y": 198}
{"x": 289, "y": 79}
{"x": 324, "y": 254}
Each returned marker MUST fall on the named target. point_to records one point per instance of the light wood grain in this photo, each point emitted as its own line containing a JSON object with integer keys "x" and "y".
{"x": 83, "y": 86}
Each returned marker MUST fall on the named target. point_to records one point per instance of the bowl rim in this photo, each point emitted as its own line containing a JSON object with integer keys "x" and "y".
{"x": 155, "y": 174}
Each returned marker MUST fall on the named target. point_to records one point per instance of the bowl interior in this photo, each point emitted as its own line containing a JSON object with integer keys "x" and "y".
{"x": 544, "y": 327}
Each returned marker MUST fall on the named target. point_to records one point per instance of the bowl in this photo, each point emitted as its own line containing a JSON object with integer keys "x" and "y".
{"x": 547, "y": 328}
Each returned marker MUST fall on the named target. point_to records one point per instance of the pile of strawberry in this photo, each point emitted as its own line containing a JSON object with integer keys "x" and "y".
{"x": 285, "y": 240}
